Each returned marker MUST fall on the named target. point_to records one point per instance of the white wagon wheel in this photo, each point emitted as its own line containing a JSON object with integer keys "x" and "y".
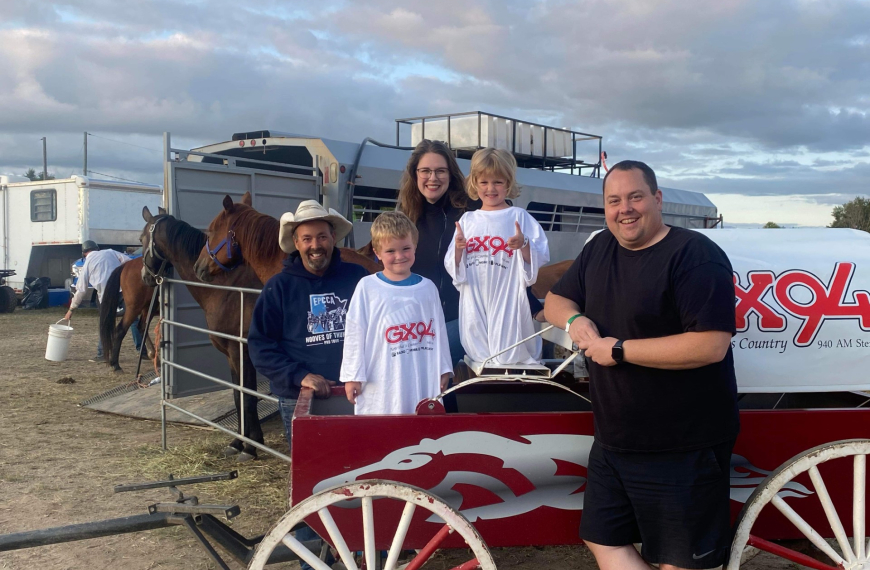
{"x": 367, "y": 490}
{"x": 852, "y": 555}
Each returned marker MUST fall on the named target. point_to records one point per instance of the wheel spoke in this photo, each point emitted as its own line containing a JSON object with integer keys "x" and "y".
{"x": 399, "y": 538}
{"x": 806, "y": 529}
{"x": 472, "y": 564}
{"x": 831, "y": 513}
{"x": 426, "y": 553}
{"x": 787, "y": 553}
{"x": 369, "y": 533}
{"x": 337, "y": 539}
{"x": 299, "y": 550}
{"x": 858, "y": 494}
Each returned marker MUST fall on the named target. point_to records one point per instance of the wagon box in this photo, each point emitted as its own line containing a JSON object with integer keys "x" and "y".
{"x": 519, "y": 476}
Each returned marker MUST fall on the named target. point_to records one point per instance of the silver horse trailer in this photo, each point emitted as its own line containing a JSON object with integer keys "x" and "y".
{"x": 562, "y": 191}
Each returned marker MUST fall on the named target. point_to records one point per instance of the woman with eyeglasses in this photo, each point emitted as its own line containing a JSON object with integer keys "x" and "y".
{"x": 432, "y": 193}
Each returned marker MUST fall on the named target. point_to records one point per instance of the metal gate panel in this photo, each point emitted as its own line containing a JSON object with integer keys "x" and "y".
{"x": 195, "y": 193}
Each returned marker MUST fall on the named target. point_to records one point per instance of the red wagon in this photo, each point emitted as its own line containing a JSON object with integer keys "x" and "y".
{"x": 509, "y": 469}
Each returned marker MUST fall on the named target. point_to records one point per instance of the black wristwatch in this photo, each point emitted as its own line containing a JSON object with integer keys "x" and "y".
{"x": 616, "y": 353}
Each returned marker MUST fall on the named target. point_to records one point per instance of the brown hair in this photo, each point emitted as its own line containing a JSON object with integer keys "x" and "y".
{"x": 410, "y": 201}
{"x": 648, "y": 175}
{"x": 493, "y": 161}
{"x": 392, "y": 225}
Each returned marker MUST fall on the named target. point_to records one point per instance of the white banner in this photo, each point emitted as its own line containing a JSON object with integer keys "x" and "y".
{"x": 802, "y": 307}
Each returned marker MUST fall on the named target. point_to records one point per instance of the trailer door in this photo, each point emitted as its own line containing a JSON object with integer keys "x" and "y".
{"x": 194, "y": 193}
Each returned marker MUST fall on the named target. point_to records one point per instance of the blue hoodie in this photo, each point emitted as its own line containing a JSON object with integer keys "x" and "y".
{"x": 298, "y": 323}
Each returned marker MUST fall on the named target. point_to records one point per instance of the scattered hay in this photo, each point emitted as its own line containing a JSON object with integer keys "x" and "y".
{"x": 260, "y": 489}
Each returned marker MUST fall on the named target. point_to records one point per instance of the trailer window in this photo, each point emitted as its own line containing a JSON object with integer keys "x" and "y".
{"x": 43, "y": 205}
{"x": 369, "y": 202}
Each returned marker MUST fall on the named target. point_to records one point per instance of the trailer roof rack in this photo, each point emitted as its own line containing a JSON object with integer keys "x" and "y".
{"x": 533, "y": 145}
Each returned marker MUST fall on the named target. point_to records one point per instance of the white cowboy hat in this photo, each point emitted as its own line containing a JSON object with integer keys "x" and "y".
{"x": 309, "y": 211}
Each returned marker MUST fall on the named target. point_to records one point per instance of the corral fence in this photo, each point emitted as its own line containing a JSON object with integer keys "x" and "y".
{"x": 195, "y": 184}
{"x": 168, "y": 365}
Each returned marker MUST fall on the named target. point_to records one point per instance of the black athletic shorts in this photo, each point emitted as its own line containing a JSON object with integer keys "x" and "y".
{"x": 676, "y": 504}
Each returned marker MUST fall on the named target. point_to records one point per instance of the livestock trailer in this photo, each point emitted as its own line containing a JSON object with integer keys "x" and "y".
{"x": 43, "y": 223}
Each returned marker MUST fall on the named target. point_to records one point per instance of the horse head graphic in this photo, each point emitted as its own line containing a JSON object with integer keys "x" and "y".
{"x": 514, "y": 476}
{"x": 745, "y": 477}
{"x": 519, "y": 475}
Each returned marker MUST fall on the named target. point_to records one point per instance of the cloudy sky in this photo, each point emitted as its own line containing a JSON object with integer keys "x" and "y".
{"x": 763, "y": 105}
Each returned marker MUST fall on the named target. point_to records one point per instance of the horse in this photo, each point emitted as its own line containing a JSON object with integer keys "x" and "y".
{"x": 252, "y": 239}
{"x": 167, "y": 240}
{"x": 125, "y": 281}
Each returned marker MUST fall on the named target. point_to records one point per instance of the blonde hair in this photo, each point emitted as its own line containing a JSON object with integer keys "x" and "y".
{"x": 494, "y": 162}
{"x": 392, "y": 225}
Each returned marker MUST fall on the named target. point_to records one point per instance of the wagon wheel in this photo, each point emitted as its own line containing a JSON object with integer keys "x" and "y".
{"x": 413, "y": 497}
{"x": 850, "y": 555}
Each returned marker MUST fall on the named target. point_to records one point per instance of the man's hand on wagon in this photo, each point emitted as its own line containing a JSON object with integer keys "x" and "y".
{"x": 583, "y": 332}
{"x": 601, "y": 351}
{"x": 319, "y": 384}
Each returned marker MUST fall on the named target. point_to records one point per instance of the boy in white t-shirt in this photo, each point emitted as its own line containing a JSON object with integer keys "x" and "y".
{"x": 395, "y": 345}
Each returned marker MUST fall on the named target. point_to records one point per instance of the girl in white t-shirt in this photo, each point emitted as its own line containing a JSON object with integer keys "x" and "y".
{"x": 499, "y": 250}
{"x": 395, "y": 345}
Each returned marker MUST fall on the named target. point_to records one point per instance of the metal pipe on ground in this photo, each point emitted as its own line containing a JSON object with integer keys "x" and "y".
{"x": 84, "y": 531}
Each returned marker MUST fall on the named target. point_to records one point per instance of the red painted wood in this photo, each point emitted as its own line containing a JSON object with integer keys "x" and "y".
{"x": 409, "y": 449}
{"x": 470, "y": 565}
{"x": 427, "y": 551}
{"x": 788, "y": 554}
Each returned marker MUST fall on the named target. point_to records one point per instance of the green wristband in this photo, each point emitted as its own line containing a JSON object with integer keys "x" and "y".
{"x": 571, "y": 320}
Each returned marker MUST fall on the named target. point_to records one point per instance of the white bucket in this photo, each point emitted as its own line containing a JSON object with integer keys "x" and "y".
{"x": 58, "y": 341}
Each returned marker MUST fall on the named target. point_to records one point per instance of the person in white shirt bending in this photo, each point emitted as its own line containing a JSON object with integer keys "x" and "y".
{"x": 498, "y": 252}
{"x": 395, "y": 343}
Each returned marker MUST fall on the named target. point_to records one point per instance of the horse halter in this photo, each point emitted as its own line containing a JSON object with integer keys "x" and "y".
{"x": 231, "y": 245}
{"x": 155, "y": 253}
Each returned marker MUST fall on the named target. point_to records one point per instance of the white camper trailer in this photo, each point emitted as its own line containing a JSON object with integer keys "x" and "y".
{"x": 43, "y": 223}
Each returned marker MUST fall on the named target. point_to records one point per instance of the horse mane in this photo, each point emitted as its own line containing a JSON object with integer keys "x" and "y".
{"x": 257, "y": 234}
{"x": 184, "y": 238}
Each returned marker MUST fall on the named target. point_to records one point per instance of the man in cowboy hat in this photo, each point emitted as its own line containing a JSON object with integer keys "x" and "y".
{"x": 297, "y": 330}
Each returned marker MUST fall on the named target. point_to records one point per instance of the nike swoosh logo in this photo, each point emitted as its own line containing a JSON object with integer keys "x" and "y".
{"x": 696, "y": 557}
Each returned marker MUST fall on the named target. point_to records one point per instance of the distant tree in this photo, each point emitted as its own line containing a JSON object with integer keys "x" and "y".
{"x": 771, "y": 225}
{"x": 854, "y": 214}
{"x": 33, "y": 176}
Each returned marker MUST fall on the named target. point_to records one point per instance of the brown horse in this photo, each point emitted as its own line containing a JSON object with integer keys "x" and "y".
{"x": 547, "y": 277}
{"x": 179, "y": 244}
{"x": 254, "y": 239}
{"x": 125, "y": 281}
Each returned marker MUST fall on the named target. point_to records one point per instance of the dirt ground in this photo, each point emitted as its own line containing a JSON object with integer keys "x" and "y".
{"x": 59, "y": 463}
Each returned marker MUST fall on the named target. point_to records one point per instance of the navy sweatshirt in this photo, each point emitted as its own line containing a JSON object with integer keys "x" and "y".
{"x": 436, "y": 225}
{"x": 298, "y": 323}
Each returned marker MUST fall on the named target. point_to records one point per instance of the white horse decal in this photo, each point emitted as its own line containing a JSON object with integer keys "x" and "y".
{"x": 535, "y": 457}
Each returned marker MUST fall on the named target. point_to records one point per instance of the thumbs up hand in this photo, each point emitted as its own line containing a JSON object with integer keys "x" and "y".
{"x": 517, "y": 240}
{"x": 460, "y": 239}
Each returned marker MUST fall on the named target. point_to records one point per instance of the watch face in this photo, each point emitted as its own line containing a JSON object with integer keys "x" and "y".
{"x": 616, "y": 352}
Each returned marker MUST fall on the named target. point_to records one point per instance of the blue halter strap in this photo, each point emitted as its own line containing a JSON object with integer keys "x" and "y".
{"x": 230, "y": 242}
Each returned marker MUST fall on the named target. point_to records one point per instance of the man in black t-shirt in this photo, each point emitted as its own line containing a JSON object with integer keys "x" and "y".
{"x": 653, "y": 307}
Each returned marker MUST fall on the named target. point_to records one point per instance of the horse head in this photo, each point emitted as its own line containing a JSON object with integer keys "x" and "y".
{"x": 222, "y": 251}
{"x": 152, "y": 259}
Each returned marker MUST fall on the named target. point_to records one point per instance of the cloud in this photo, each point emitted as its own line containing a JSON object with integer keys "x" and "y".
{"x": 754, "y": 98}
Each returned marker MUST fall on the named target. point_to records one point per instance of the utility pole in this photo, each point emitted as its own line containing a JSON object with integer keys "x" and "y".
{"x": 44, "y": 161}
{"x": 85, "y": 166}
